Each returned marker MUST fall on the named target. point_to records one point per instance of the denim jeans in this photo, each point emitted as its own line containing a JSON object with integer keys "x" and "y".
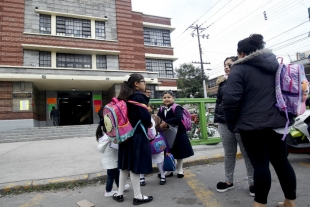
{"x": 113, "y": 174}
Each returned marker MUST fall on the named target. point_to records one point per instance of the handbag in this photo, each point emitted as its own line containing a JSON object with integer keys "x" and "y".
{"x": 169, "y": 162}
{"x": 170, "y": 134}
{"x": 158, "y": 144}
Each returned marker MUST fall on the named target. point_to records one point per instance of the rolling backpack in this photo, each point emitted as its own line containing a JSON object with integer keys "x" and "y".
{"x": 291, "y": 85}
{"x": 187, "y": 118}
{"x": 116, "y": 120}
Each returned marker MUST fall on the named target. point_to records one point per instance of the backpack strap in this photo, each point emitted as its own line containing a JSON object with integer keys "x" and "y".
{"x": 138, "y": 104}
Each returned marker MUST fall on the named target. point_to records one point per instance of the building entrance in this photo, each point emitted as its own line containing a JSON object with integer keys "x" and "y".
{"x": 75, "y": 108}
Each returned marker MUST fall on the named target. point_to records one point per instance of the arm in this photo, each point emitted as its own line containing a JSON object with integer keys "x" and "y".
{"x": 218, "y": 103}
{"x": 143, "y": 113}
{"x": 232, "y": 97}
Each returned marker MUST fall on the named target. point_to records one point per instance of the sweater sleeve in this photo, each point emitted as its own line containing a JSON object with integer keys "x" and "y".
{"x": 143, "y": 113}
{"x": 178, "y": 115}
{"x": 232, "y": 97}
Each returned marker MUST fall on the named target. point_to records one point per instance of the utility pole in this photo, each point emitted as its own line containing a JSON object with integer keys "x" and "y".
{"x": 198, "y": 28}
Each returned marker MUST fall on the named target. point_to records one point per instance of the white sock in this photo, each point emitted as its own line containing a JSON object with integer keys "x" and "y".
{"x": 135, "y": 181}
{"x": 123, "y": 174}
{"x": 161, "y": 170}
{"x": 141, "y": 175}
{"x": 180, "y": 166}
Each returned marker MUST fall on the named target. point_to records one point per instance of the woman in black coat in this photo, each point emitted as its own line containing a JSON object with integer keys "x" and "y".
{"x": 182, "y": 147}
{"x": 249, "y": 107}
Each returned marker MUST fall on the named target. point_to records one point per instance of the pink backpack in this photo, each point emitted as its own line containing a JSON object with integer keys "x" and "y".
{"x": 186, "y": 120}
{"x": 116, "y": 120}
{"x": 289, "y": 89}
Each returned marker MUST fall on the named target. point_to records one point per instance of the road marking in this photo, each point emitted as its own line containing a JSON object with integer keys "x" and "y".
{"x": 35, "y": 201}
{"x": 201, "y": 191}
{"x": 305, "y": 164}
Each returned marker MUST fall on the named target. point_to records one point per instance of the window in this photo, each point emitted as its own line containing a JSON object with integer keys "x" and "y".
{"x": 163, "y": 67}
{"x": 45, "y": 24}
{"x": 73, "y": 61}
{"x": 67, "y": 26}
{"x": 44, "y": 59}
{"x": 100, "y": 29}
{"x": 101, "y": 61}
{"x": 157, "y": 37}
{"x": 212, "y": 83}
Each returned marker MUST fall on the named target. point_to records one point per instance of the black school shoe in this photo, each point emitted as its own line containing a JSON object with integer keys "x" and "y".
{"x": 180, "y": 175}
{"x": 162, "y": 181}
{"x": 137, "y": 201}
{"x": 167, "y": 176}
{"x": 142, "y": 181}
{"x": 119, "y": 198}
{"x": 223, "y": 187}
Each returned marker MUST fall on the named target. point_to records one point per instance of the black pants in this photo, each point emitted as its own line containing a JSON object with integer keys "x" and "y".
{"x": 263, "y": 147}
{"x": 113, "y": 174}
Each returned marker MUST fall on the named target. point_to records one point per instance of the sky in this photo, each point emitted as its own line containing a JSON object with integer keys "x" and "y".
{"x": 286, "y": 30}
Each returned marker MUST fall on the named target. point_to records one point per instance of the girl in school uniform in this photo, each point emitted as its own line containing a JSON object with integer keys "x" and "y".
{"x": 182, "y": 147}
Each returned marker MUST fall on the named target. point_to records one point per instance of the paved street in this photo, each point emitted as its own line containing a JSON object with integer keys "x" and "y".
{"x": 197, "y": 188}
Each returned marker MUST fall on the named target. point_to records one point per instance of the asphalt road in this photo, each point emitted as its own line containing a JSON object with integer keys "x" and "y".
{"x": 197, "y": 188}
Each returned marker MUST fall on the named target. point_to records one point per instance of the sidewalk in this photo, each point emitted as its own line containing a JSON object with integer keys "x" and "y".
{"x": 38, "y": 164}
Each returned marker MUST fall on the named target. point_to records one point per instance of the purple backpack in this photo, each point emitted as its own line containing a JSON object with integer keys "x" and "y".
{"x": 186, "y": 120}
{"x": 289, "y": 89}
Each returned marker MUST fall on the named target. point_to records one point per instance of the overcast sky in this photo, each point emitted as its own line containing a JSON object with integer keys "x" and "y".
{"x": 286, "y": 29}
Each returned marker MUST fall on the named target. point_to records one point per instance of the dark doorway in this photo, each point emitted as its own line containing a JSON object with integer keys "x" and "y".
{"x": 75, "y": 108}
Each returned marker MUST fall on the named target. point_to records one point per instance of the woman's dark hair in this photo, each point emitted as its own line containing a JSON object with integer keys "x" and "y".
{"x": 128, "y": 87}
{"x": 168, "y": 92}
{"x": 100, "y": 129}
{"x": 251, "y": 44}
{"x": 232, "y": 58}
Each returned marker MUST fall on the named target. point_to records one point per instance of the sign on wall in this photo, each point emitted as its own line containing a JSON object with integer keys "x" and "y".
{"x": 97, "y": 102}
{"x": 24, "y": 105}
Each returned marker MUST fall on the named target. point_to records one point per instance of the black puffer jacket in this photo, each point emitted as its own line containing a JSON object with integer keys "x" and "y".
{"x": 218, "y": 112}
{"x": 249, "y": 99}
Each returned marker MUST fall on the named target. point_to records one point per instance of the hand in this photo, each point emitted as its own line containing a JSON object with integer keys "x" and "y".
{"x": 163, "y": 125}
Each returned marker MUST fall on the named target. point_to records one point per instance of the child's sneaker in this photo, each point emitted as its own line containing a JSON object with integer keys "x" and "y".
{"x": 252, "y": 190}
{"x": 223, "y": 187}
{"x": 109, "y": 194}
{"x": 126, "y": 187}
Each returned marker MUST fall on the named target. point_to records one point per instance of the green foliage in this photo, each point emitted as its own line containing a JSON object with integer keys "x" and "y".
{"x": 189, "y": 81}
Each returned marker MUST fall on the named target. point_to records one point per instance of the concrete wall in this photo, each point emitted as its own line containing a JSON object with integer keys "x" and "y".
{"x": 31, "y": 58}
{"x": 112, "y": 62}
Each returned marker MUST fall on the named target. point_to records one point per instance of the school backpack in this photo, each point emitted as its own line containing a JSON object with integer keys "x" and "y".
{"x": 116, "y": 120}
{"x": 187, "y": 118}
{"x": 291, "y": 89}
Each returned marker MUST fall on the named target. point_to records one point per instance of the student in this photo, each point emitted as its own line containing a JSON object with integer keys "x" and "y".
{"x": 109, "y": 159}
{"x": 134, "y": 155}
{"x": 229, "y": 139}
{"x": 182, "y": 147}
{"x": 156, "y": 158}
{"x": 249, "y": 108}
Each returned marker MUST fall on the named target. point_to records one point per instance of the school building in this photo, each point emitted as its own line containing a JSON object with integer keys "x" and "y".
{"x": 74, "y": 55}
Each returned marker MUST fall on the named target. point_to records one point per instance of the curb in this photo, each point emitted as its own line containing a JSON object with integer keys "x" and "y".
{"x": 93, "y": 177}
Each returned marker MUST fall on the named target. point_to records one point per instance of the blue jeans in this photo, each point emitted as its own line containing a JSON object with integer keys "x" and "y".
{"x": 113, "y": 174}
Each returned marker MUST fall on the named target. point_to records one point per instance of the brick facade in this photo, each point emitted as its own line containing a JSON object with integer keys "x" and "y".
{"x": 130, "y": 43}
{"x": 129, "y": 32}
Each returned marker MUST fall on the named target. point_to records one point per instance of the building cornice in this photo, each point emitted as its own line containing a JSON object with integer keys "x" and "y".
{"x": 158, "y": 26}
{"x": 157, "y": 56}
{"x": 70, "y": 15}
{"x": 70, "y": 49}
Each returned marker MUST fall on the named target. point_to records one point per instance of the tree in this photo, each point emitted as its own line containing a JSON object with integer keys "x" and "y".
{"x": 189, "y": 81}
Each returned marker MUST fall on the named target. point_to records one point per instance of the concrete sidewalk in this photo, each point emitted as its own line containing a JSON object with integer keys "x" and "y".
{"x": 37, "y": 164}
